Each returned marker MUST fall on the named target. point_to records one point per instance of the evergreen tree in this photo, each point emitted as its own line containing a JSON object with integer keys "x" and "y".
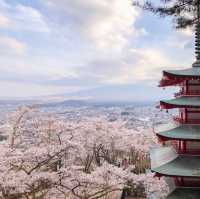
{"x": 184, "y": 12}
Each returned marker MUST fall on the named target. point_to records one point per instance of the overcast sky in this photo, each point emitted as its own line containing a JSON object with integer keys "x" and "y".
{"x": 62, "y": 46}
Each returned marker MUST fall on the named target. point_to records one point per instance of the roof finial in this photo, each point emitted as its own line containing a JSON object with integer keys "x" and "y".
{"x": 197, "y": 37}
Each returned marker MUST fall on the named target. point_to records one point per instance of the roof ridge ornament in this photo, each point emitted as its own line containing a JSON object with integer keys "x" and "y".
{"x": 197, "y": 38}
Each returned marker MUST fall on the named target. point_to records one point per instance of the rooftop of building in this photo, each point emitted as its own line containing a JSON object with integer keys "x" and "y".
{"x": 182, "y": 166}
{"x": 175, "y": 77}
{"x": 189, "y": 72}
{"x": 179, "y": 132}
{"x": 181, "y": 102}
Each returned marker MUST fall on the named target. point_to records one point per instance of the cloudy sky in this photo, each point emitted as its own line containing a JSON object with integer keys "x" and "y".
{"x": 50, "y": 47}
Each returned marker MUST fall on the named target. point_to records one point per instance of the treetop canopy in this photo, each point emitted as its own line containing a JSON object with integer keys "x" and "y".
{"x": 184, "y": 12}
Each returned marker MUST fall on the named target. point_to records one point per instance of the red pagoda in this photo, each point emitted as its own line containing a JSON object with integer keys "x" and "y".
{"x": 184, "y": 134}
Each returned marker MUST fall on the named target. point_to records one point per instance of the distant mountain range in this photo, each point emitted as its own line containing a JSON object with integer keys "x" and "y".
{"x": 121, "y": 93}
{"x": 108, "y": 95}
{"x": 78, "y": 103}
{"x": 70, "y": 103}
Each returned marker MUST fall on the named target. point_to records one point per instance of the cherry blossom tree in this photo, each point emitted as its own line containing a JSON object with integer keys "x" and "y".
{"x": 46, "y": 157}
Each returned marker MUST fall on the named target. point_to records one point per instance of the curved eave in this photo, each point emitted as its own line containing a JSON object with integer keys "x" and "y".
{"x": 170, "y": 82}
{"x": 185, "y": 193}
{"x": 182, "y": 132}
{"x": 174, "y": 77}
{"x": 181, "y": 102}
{"x": 182, "y": 166}
{"x": 193, "y": 72}
{"x": 186, "y": 73}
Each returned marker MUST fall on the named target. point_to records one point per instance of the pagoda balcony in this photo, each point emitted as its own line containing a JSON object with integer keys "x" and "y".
{"x": 188, "y": 121}
{"x": 188, "y": 151}
{"x": 182, "y": 149}
{"x": 188, "y": 93}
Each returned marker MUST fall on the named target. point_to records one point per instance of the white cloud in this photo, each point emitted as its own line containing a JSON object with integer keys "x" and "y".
{"x": 181, "y": 39}
{"x": 149, "y": 64}
{"x": 134, "y": 65}
{"x": 20, "y": 89}
{"x": 35, "y": 68}
{"x": 22, "y": 18}
{"x": 108, "y": 24}
{"x": 188, "y": 32}
{"x": 11, "y": 46}
{"x": 92, "y": 43}
{"x": 4, "y": 21}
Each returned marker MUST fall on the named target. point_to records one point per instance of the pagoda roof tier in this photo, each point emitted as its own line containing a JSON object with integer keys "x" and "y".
{"x": 189, "y": 72}
{"x": 178, "y": 132}
{"x": 174, "y": 77}
{"x": 181, "y": 102}
{"x": 185, "y": 193}
{"x": 182, "y": 166}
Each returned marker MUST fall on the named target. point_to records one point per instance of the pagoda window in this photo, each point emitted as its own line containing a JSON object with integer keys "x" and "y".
{"x": 193, "y": 115}
{"x": 178, "y": 146}
{"x": 192, "y": 147}
{"x": 193, "y": 82}
{"x": 182, "y": 114}
{"x": 188, "y": 116}
{"x": 189, "y": 87}
{"x": 186, "y": 147}
{"x": 181, "y": 147}
{"x": 186, "y": 86}
{"x": 193, "y": 85}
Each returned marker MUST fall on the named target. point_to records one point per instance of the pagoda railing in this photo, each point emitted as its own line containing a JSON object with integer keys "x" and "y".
{"x": 189, "y": 93}
{"x": 187, "y": 182}
{"x": 184, "y": 149}
{"x": 187, "y": 151}
{"x": 183, "y": 121}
